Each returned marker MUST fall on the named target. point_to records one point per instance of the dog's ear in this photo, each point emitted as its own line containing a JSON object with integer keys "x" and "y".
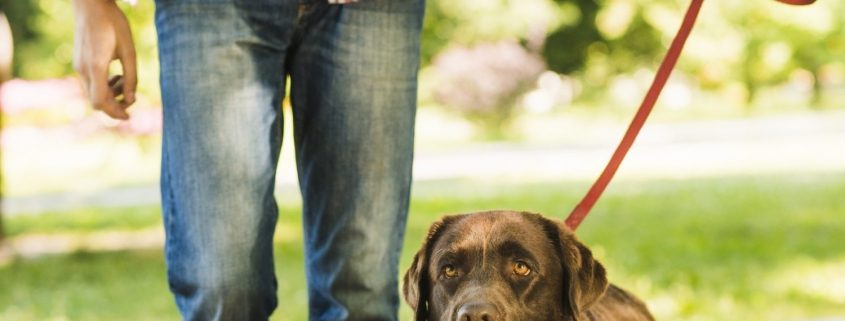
{"x": 585, "y": 279}
{"x": 415, "y": 286}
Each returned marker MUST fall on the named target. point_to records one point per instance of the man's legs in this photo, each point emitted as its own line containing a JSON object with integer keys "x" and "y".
{"x": 222, "y": 81}
{"x": 354, "y": 77}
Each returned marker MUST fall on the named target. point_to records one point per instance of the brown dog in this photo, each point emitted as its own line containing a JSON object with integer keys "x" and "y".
{"x": 511, "y": 266}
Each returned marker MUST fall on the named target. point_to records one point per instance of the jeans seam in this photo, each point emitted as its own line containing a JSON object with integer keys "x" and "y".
{"x": 167, "y": 198}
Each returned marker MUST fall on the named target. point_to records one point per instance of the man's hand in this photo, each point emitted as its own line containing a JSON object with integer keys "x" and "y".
{"x": 102, "y": 35}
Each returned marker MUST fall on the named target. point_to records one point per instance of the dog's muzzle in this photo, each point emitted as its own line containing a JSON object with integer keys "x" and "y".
{"x": 478, "y": 311}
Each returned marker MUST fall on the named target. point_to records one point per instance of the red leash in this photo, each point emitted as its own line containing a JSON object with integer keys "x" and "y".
{"x": 583, "y": 208}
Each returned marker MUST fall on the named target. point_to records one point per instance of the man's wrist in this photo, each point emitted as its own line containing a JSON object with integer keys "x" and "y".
{"x": 89, "y": 3}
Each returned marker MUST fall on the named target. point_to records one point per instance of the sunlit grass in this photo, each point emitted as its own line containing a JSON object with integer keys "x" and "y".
{"x": 812, "y": 279}
{"x": 84, "y": 220}
{"x": 738, "y": 248}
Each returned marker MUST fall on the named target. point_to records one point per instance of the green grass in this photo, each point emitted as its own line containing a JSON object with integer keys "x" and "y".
{"x": 84, "y": 220}
{"x": 732, "y": 248}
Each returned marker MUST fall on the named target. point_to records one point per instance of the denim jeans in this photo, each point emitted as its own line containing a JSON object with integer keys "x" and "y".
{"x": 353, "y": 71}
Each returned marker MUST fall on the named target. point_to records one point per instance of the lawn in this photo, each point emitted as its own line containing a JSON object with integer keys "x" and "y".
{"x": 727, "y": 248}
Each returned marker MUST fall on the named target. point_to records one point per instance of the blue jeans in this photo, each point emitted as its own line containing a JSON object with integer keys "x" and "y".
{"x": 353, "y": 71}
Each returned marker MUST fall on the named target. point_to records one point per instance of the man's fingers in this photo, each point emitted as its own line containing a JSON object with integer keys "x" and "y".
{"x": 116, "y": 86}
{"x": 102, "y": 35}
{"x": 101, "y": 94}
{"x": 128, "y": 62}
{"x": 114, "y": 109}
{"x": 130, "y": 76}
{"x": 98, "y": 84}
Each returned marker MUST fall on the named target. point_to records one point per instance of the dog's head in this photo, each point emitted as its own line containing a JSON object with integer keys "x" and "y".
{"x": 502, "y": 266}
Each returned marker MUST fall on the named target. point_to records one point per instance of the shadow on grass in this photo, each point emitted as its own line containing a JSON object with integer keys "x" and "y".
{"x": 739, "y": 248}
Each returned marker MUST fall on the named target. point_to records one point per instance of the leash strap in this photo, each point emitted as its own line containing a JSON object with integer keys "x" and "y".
{"x": 798, "y": 2}
{"x": 586, "y": 204}
{"x": 583, "y": 208}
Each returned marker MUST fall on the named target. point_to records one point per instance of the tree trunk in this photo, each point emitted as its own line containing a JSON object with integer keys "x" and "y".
{"x": 5, "y": 74}
{"x": 818, "y": 91}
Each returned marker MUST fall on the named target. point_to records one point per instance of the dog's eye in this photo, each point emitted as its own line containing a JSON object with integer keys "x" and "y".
{"x": 521, "y": 268}
{"x": 449, "y": 271}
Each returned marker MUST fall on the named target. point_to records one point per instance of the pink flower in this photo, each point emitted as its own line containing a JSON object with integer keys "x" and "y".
{"x": 18, "y": 95}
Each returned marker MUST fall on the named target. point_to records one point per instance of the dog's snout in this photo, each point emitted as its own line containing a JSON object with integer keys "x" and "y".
{"x": 478, "y": 312}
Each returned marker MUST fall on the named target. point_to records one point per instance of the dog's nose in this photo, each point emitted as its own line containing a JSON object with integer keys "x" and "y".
{"x": 478, "y": 312}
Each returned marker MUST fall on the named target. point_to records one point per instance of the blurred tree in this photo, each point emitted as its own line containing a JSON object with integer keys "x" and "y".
{"x": 485, "y": 55}
{"x": 468, "y": 22}
{"x": 755, "y": 44}
{"x": 5, "y": 73}
{"x": 818, "y": 54}
{"x": 20, "y": 15}
{"x": 745, "y": 44}
{"x": 6, "y": 48}
{"x": 614, "y": 32}
{"x": 768, "y": 44}
{"x": 566, "y": 47}
{"x": 38, "y": 37}
{"x": 484, "y": 82}
{"x": 759, "y": 44}
{"x": 812, "y": 45}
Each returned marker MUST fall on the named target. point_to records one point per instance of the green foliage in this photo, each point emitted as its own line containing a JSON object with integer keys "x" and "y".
{"x": 21, "y": 16}
{"x": 730, "y": 248}
{"x": 737, "y": 44}
{"x": 764, "y": 43}
{"x": 43, "y": 37}
{"x": 469, "y": 22}
{"x": 566, "y": 48}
